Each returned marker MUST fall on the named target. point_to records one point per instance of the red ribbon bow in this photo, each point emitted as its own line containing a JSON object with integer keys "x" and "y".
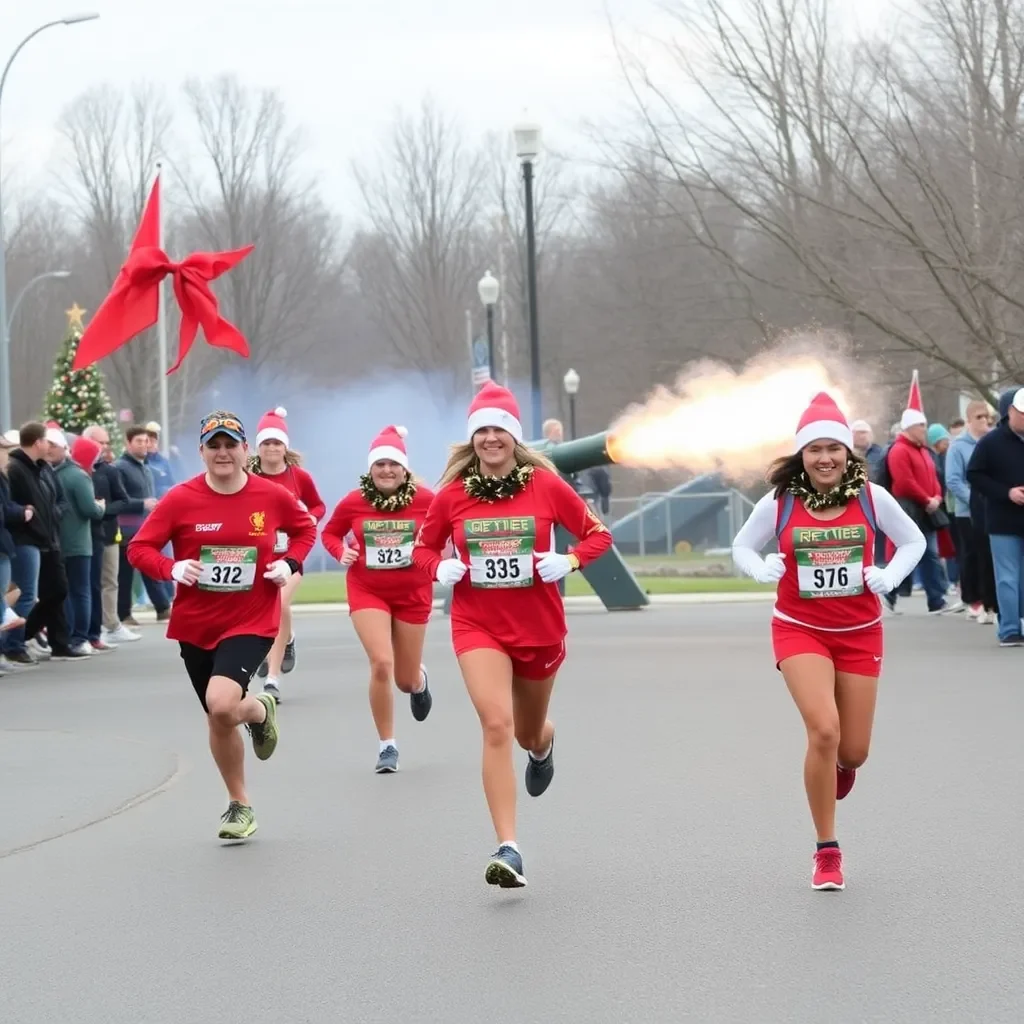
{"x": 133, "y": 304}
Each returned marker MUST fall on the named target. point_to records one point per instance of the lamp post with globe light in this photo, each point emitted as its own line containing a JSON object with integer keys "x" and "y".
{"x": 5, "y": 340}
{"x": 527, "y": 139}
{"x": 488, "y": 289}
{"x": 571, "y": 383}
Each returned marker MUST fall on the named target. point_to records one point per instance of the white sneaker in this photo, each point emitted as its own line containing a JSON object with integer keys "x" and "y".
{"x": 83, "y": 648}
{"x": 122, "y": 635}
{"x": 987, "y": 619}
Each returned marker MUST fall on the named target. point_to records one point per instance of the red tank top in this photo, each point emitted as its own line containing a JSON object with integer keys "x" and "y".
{"x": 823, "y": 585}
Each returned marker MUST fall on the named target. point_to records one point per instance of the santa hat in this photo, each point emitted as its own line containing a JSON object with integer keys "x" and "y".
{"x": 85, "y": 452}
{"x": 55, "y": 435}
{"x": 913, "y": 415}
{"x": 823, "y": 421}
{"x": 272, "y": 427}
{"x": 389, "y": 444}
{"x": 494, "y": 406}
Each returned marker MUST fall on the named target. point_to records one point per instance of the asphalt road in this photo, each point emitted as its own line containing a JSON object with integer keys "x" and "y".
{"x": 669, "y": 863}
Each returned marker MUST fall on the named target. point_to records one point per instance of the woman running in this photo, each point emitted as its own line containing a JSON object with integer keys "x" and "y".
{"x": 224, "y": 527}
{"x": 827, "y": 622}
{"x": 389, "y": 598}
{"x": 499, "y": 503}
{"x": 275, "y": 461}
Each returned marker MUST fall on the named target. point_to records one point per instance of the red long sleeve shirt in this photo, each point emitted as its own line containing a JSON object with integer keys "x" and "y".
{"x": 301, "y": 484}
{"x": 233, "y": 535}
{"x": 385, "y": 542}
{"x": 502, "y": 594}
{"x": 913, "y": 472}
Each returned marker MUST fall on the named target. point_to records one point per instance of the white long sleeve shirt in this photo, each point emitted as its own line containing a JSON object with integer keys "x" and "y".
{"x": 759, "y": 529}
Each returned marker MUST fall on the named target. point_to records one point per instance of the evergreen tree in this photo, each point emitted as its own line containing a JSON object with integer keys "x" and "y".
{"x": 77, "y": 398}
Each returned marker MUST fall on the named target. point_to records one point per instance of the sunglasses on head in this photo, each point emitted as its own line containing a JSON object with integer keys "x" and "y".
{"x": 222, "y": 423}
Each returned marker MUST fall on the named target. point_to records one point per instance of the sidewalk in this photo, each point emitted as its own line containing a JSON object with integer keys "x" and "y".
{"x": 147, "y": 615}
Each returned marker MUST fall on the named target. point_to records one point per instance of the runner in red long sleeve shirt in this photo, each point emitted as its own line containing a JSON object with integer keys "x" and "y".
{"x": 500, "y": 503}
{"x": 274, "y": 460}
{"x": 223, "y": 527}
{"x": 389, "y": 598}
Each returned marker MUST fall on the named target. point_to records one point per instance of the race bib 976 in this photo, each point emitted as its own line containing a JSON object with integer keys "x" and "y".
{"x": 829, "y": 560}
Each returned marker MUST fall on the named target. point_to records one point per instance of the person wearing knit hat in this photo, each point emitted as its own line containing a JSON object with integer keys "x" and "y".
{"x": 823, "y": 514}
{"x": 275, "y": 460}
{"x": 500, "y": 503}
{"x": 371, "y": 533}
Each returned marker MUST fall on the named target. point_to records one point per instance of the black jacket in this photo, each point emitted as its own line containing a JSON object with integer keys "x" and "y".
{"x": 36, "y": 484}
{"x": 996, "y": 466}
{"x": 107, "y": 483}
{"x": 11, "y": 515}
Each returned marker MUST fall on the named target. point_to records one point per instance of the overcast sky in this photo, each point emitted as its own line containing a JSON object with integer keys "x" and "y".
{"x": 342, "y": 67}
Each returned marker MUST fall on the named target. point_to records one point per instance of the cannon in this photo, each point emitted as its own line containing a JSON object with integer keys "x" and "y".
{"x": 610, "y": 577}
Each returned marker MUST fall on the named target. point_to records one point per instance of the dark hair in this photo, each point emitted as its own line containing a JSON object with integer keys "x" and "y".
{"x": 958, "y": 422}
{"x": 134, "y": 431}
{"x": 30, "y": 433}
{"x": 783, "y": 471}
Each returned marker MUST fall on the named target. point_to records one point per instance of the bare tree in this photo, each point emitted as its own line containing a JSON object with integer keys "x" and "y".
{"x": 113, "y": 143}
{"x": 418, "y": 265}
{"x": 250, "y": 191}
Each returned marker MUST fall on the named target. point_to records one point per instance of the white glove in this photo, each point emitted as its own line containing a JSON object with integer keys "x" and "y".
{"x": 774, "y": 569}
{"x": 552, "y": 567}
{"x": 450, "y": 571}
{"x": 279, "y": 572}
{"x": 186, "y": 571}
{"x": 878, "y": 580}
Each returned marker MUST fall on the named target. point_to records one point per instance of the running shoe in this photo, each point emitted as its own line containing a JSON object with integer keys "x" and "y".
{"x": 421, "y": 702}
{"x": 540, "y": 773}
{"x": 845, "y": 778}
{"x": 505, "y": 869}
{"x": 388, "y": 761}
{"x": 288, "y": 662}
{"x": 270, "y": 686}
{"x": 265, "y": 734}
{"x": 263, "y": 670}
{"x": 828, "y": 869}
{"x": 237, "y": 822}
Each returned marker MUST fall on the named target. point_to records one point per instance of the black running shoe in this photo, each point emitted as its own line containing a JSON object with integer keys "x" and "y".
{"x": 421, "y": 702}
{"x": 288, "y": 661}
{"x": 263, "y": 669}
{"x": 505, "y": 869}
{"x": 540, "y": 773}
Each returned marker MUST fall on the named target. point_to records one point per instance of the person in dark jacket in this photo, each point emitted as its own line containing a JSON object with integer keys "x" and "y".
{"x": 106, "y": 630}
{"x": 138, "y": 483}
{"x": 996, "y": 471}
{"x": 38, "y": 569}
{"x": 11, "y": 514}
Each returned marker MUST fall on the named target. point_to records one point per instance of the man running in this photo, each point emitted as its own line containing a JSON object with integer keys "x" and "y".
{"x": 222, "y": 527}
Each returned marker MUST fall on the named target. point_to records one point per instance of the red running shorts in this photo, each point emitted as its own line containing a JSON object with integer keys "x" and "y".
{"x": 535, "y": 663}
{"x": 857, "y": 651}
{"x": 412, "y": 606}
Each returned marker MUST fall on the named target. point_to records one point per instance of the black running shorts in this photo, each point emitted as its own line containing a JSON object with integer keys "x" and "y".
{"x": 237, "y": 657}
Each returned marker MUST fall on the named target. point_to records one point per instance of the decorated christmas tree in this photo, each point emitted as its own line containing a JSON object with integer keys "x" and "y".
{"x": 77, "y": 398}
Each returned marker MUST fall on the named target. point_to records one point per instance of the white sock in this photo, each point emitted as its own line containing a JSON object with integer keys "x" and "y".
{"x": 272, "y": 681}
{"x": 540, "y": 757}
{"x": 512, "y": 844}
{"x": 423, "y": 682}
{"x": 384, "y": 744}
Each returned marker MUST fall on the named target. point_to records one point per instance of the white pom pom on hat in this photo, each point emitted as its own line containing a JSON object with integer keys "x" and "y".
{"x": 280, "y": 411}
{"x": 272, "y": 427}
{"x": 402, "y": 431}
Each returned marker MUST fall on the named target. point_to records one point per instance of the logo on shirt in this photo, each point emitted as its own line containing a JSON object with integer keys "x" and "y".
{"x": 258, "y": 522}
{"x": 208, "y": 527}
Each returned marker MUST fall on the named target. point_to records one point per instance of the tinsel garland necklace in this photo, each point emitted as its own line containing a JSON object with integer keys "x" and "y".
{"x": 494, "y": 488}
{"x": 855, "y": 477}
{"x": 394, "y": 502}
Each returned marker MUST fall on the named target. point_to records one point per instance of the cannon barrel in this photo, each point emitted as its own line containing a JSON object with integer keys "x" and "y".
{"x": 575, "y": 456}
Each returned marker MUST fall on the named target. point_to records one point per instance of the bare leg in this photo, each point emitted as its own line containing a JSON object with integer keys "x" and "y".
{"x": 228, "y": 709}
{"x": 373, "y": 627}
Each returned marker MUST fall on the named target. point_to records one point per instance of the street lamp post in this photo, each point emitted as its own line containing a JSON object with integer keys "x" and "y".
{"x": 488, "y": 288}
{"x": 5, "y": 341}
{"x": 527, "y": 136}
{"x": 571, "y": 383}
{"x": 58, "y": 275}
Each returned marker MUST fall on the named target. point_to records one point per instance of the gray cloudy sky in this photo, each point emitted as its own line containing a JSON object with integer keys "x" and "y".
{"x": 343, "y": 67}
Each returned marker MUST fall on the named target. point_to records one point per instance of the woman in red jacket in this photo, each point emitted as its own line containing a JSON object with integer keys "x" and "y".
{"x": 499, "y": 502}
{"x": 274, "y": 460}
{"x": 389, "y": 599}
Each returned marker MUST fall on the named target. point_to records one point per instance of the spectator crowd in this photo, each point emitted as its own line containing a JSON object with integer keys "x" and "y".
{"x": 68, "y": 509}
{"x": 964, "y": 487}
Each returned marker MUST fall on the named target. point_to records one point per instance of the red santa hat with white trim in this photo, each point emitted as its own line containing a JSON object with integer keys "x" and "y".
{"x": 272, "y": 427}
{"x": 390, "y": 444}
{"x": 823, "y": 421}
{"x": 913, "y": 415}
{"x": 494, "y": 406}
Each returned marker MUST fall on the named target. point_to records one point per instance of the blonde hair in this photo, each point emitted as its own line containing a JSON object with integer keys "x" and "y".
{"x": 290, "y": 459}
{"x": 463, "y": 457}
